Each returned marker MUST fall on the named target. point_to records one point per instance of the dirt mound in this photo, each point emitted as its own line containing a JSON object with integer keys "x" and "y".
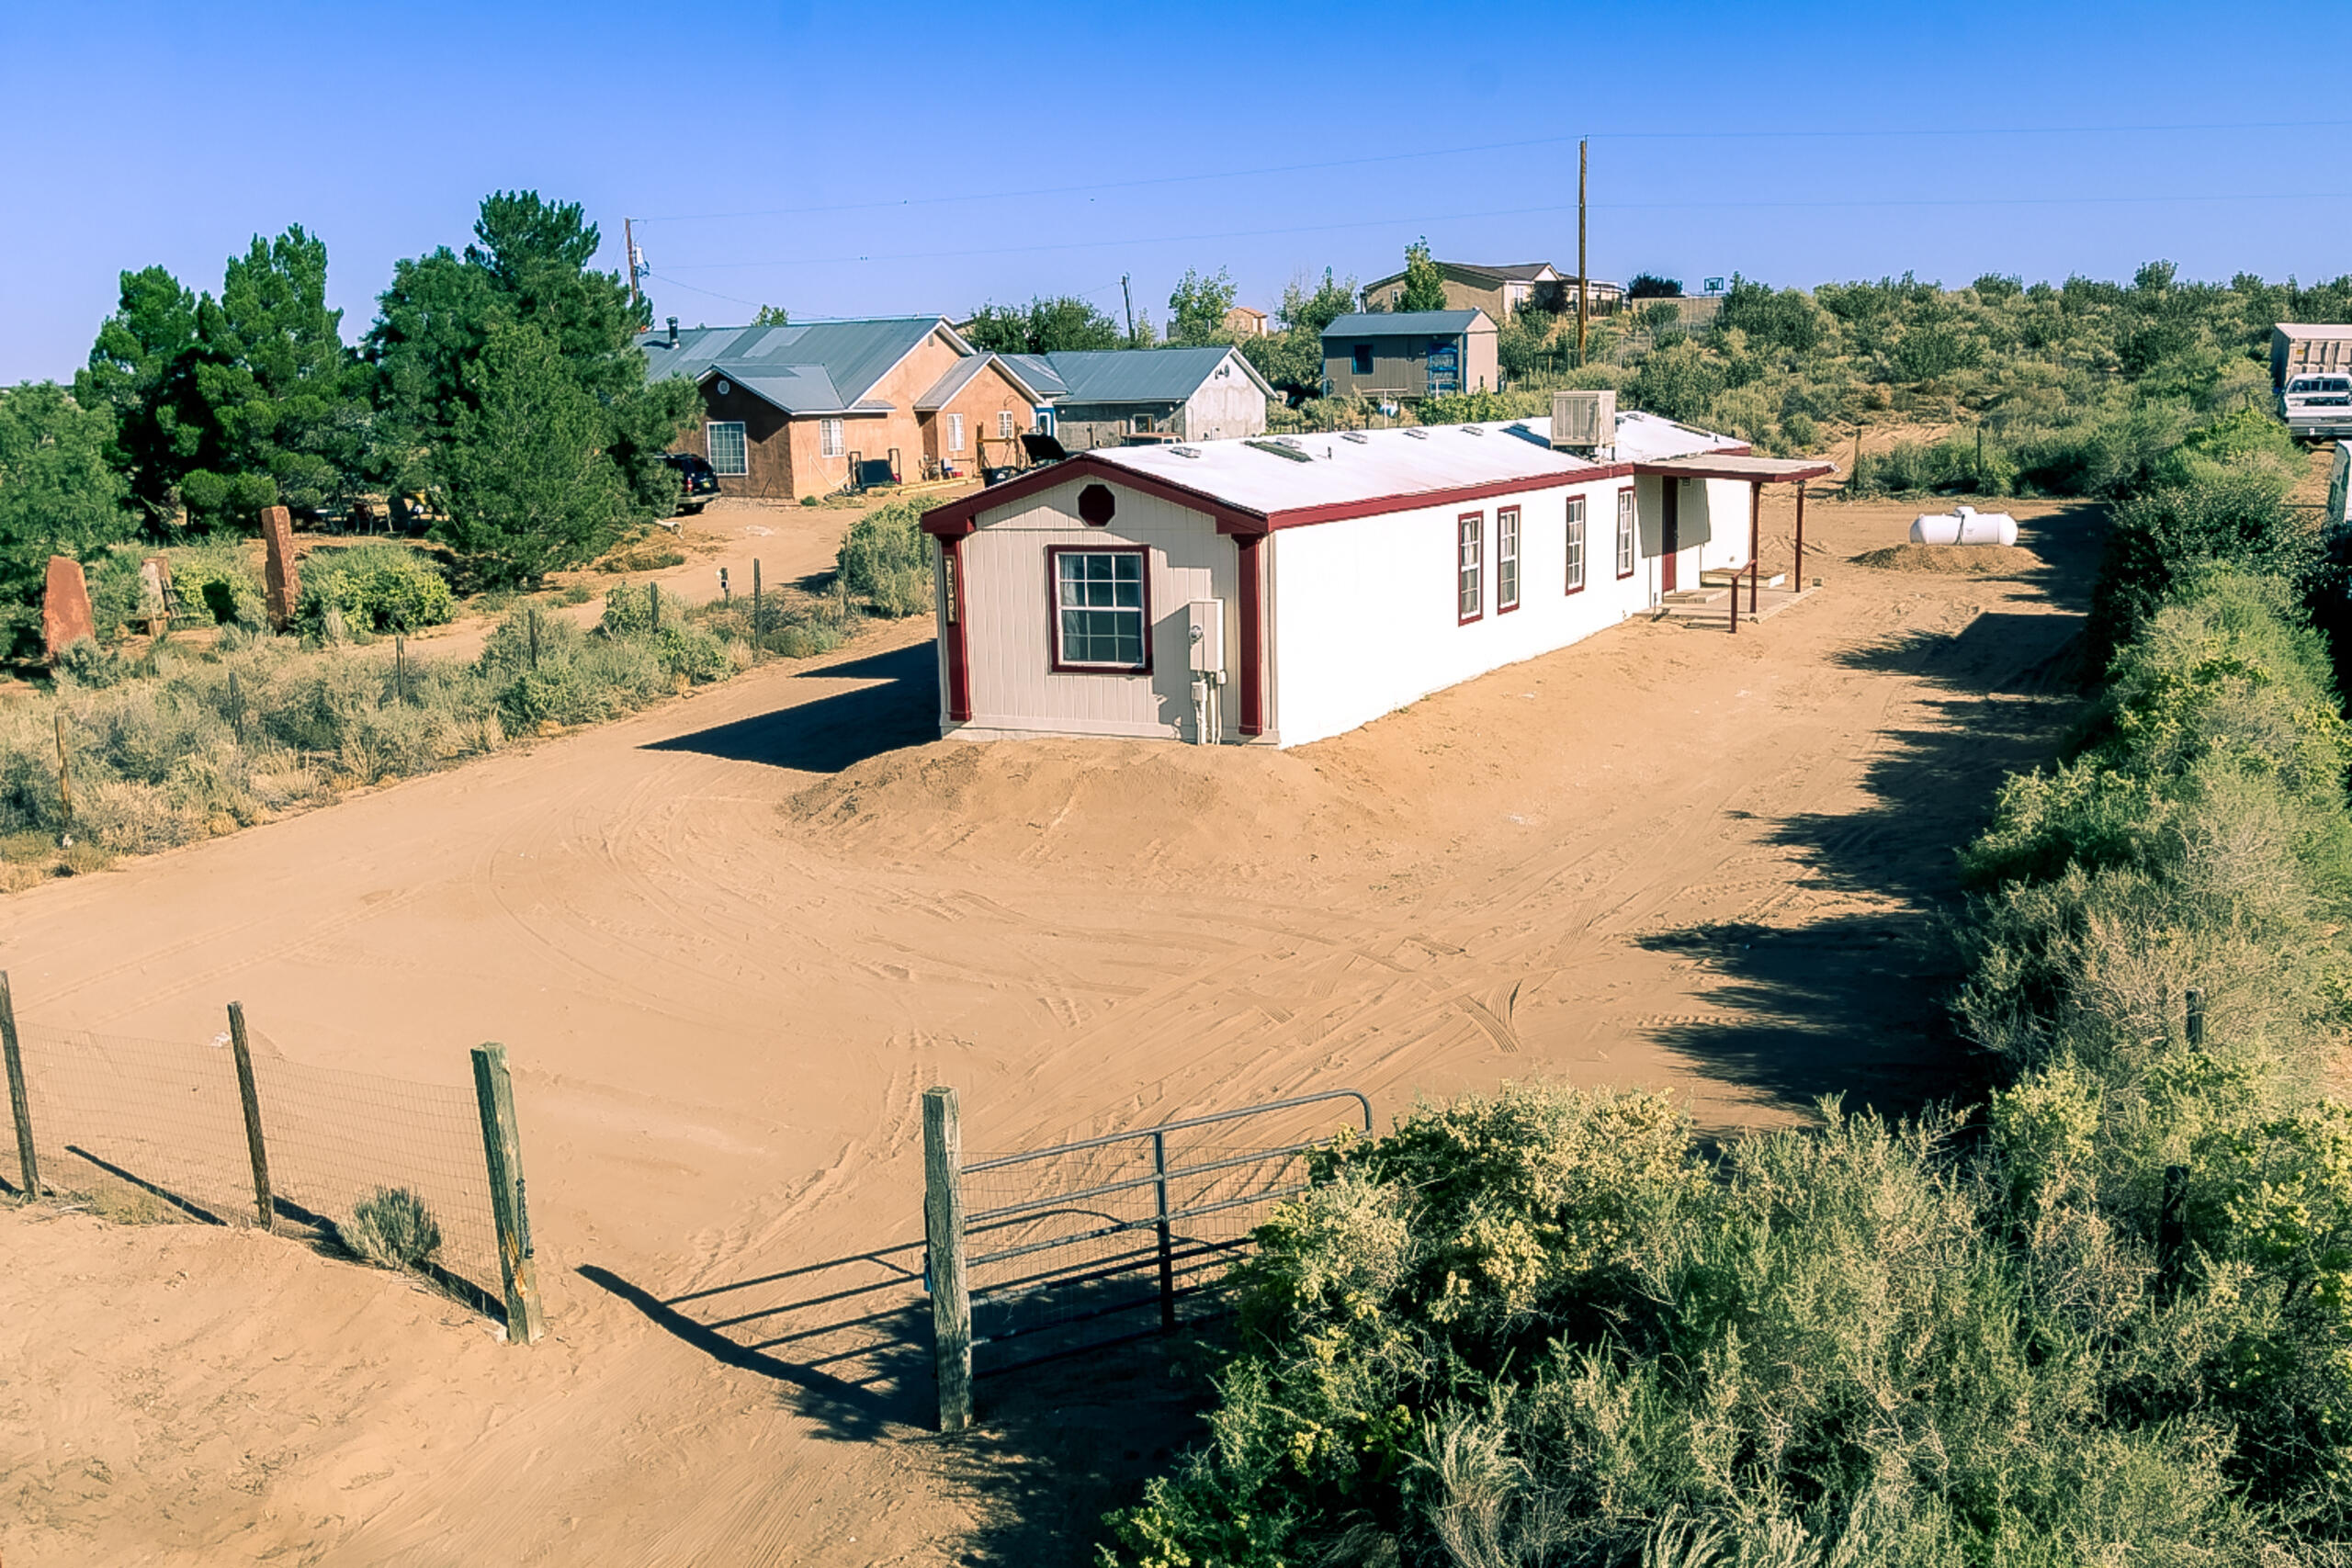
{"x": 1113, "y": 803}
{"x": 1981, "y": 560}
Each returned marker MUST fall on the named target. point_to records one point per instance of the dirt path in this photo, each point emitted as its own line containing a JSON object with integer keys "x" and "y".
{"x": 1667, "y": 855}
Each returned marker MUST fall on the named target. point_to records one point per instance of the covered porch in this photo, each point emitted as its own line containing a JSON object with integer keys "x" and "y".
{"x": 1716, "y": 598}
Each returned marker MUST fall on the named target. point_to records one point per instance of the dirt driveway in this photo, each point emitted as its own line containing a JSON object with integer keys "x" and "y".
{"x": 728, "y": 941}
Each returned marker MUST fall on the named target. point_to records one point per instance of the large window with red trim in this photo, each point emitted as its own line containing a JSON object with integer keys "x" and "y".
{"x": 1101, "y": 611}
{"x": 1506, "y": 559}
{"x": 1470, "y": 565}
{"x": 1576, "y": 544}
{"x": 1625, "y": 533}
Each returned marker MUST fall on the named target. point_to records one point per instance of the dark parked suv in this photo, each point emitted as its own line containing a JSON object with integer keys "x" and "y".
{"x": 697, "y": 481}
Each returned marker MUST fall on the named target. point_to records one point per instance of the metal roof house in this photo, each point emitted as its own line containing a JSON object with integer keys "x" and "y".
{"x": 1499, "y": 289}
{"x": 1278, "y": 591}
{"x": 1409, "y": 354}
{"x": 1103, "y": 397}
{"x": 787, "y": 410}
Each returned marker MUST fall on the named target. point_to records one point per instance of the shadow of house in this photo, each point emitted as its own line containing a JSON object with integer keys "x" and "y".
{"x": 839, "y": 731}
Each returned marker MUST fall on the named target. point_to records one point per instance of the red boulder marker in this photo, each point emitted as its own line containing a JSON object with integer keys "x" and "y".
{"x": 66, "y": 615}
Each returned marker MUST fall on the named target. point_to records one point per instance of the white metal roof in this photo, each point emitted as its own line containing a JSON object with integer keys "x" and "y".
{"x": 2293, "y": 329}
{"x": 1369, "y": 465}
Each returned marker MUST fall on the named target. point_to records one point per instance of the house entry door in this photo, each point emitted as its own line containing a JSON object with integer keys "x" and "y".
{"x": 1669, "y": 530}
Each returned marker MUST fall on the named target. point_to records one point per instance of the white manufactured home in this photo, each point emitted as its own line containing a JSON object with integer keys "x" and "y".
{"x": 1279, "y": 591}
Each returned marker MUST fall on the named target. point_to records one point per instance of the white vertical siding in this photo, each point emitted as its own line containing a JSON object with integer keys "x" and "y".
{"x": 1364, "y": 616}
{"x": 1009, "y": 618}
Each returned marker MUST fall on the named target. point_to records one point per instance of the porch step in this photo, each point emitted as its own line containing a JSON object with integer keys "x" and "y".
{"x": 1693, "y": 596}
{"x": 1724, "y": 577}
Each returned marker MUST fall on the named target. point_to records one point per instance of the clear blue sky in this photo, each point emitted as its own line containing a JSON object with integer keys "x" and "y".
{"x": 172, "y": 134}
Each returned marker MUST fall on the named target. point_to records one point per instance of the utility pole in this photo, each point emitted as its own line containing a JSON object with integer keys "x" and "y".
{"x": 1584, "y": 288}
{"x": 628, "y": 245}
{"x": 1125, "y": 293}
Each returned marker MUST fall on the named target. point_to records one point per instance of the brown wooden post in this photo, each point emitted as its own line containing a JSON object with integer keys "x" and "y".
{"x": 65, "y": 769}
{"x": 755, "y": 610}
{"x": 942, "y": 1217}
{"x": 20, "y": 1097}
{"x": 1166, "y": 1238}
{"x": 1755, "y": 542}
{"x": 1796, "y": 583}
{"x": 254, "y": 1148}
{"x": 518, "y": 1266}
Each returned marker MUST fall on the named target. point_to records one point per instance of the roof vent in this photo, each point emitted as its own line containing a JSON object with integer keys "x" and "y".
{"x": 1473, "y": 430}
{"x": 1358, "y": 436}
{"x": 1417, "y": 433}
{"x": 1185, "y": 451}
{"x": 1280, "y": 450}
{"x": 674, "y": 331}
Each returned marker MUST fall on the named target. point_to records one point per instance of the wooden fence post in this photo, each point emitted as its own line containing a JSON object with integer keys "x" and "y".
{"x": 942, "y": 1214}
{"x": 1166, "y": 1238}
{"x": 502, "y": 1151}
{"x": 19, "y": 1100}
{"x": 757, "y": 625}
{"x": 245, "y": 1093}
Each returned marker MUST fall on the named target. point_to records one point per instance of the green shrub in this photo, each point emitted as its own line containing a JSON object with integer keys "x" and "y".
{"x": 214, "y": 585}
{"x": 885, "y": 560}
{"x": 629, "y": 609}
{"x": 2238, "y": 516}
{"x": 377, "y": 588}
{"x": 392, "y": 1228}
{"x": 694, "y": 652}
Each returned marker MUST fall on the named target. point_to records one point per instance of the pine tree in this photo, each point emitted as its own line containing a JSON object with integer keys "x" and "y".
{"x": 136, "y": 373}
{"x": 524, "y": 472}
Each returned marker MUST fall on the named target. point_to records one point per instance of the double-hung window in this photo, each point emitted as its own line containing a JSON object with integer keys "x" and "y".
{"x": 729, "y": 453}
{"x": 1101, "y": 619}
{"x": 1004, "y": 424}
{"x": 828, "y": 438}
{"x": 1506, "y": 559}
{"x": 1625, "y": 533}
{"x": 954, "y": 432}
{"x": 1470, "y": 564}
{"x": 1576, "y": 544}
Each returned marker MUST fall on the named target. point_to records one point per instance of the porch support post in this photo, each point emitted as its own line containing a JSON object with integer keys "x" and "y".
{"x": 1796, "y": 583}
{"x": 1755, "y": 542}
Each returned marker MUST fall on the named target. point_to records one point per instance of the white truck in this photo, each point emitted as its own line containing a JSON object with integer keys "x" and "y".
{"x": 2310, "y": 371}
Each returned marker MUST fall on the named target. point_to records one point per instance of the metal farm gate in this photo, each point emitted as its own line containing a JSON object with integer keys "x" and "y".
{"x": 1049, "y": 1252}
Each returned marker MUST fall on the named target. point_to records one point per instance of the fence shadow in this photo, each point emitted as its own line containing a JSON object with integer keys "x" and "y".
{"x": 835, "y": 732}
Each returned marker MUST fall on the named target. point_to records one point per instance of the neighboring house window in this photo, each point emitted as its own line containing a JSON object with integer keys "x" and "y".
{"x": 1625, "y": 533}
{"x": 1507, "y": 560}
{"x": 1004, "y": 424}
{"x": 1364, "y": 359}
{"x": 1100, "y": 620}
{"x": 1469, "y": 571}
{"x": 1141, "y": 425}
{"x": 954, "y": 432}
{"x": 729, "y": 453}
{"x": 828, "y": 438}
{"x": 1576, "y": 542}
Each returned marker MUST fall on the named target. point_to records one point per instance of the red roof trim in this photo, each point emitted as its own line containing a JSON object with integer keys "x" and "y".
{"x": 960, "y": 516}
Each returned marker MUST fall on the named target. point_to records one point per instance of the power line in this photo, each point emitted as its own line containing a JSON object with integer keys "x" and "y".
{"x": 1519, "y": 212}
{"x": 1907, "y": 132}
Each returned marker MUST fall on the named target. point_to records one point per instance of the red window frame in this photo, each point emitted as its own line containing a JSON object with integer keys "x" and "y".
{"x": 1470, "y": 567}
{"x": 1577, "y": 546}
{"x": 1060, "y": 666}
{"x": 1625, "y": 544}
{"x": 1512, "y": 560}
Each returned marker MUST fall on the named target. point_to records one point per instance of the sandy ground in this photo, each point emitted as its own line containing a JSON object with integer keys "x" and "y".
{"x": 728, "y": 941}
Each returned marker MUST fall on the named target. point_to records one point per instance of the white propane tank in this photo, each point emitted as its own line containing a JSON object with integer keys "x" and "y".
{"x": 1964, "y": 525}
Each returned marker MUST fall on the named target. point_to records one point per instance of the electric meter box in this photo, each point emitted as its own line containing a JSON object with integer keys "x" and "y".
{"x": 1206, "y": 633}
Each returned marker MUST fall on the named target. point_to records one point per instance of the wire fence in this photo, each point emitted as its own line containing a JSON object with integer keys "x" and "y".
{"x": 1107, "y": 1239}
{"x": 155, "y": 1131}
